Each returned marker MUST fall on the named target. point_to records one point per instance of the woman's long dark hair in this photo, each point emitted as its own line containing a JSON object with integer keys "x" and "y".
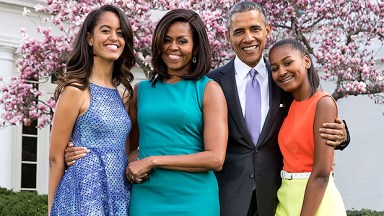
{"x": 201, "y": 47}
{"x": 80, "y": 62}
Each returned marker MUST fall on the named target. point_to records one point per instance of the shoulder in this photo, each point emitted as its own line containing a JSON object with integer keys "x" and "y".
{"x": 71, "y": 91}
{"x": 143, "y": 83}
{"x": 73, "y": 97}
{"x": 139, "y": 85}
{"x": 124, "y": 94}
{"x": 220, "y": 70}
{"x": 215, "y": 71}
{"x": 204, "y": 80}
{"x": 214, "y": 97}
{"x": 121, "y": 91}
{"x": 142, "y": 86}
{"x": 326, "y": 110}
{"x": 213, "y": 88}
{"x": 325, "y": 103}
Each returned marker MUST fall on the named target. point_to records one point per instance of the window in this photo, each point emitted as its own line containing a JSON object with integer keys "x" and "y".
{"x": 54, "y": 77}
{"x": 29, "y": 157}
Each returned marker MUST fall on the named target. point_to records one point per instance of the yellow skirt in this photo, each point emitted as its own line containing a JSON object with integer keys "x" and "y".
{"x": 291, "y": 196}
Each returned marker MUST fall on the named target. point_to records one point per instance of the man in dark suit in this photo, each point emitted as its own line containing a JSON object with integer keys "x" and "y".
{"x": 250, "y": 177}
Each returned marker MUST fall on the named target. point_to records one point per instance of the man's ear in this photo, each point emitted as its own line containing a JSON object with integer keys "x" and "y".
{"x": 228, "y": 37}
{"x": 89, "y": 39}
{"x": 268, "y": 29}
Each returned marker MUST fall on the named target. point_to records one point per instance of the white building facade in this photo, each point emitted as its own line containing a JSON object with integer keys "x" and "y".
{"x": 24, "y": 150}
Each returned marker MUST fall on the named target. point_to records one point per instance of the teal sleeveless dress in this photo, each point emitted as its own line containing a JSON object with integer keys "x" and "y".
{"x": 170, "y": 120}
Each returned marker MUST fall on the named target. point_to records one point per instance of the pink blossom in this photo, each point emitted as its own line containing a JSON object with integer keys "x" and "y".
{"x": 329, "y": 28}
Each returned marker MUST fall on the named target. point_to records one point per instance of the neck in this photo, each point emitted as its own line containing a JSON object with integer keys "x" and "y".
{"x": 102, "y": 73}
{"x": 303, "y": 92}
{"x": 173, "y": 79}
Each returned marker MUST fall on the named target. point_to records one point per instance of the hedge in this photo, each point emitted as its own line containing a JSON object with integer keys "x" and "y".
{"x": 364, "y": 212}
{"x": 27, "y": 203}
{"x": 24, "y": 203}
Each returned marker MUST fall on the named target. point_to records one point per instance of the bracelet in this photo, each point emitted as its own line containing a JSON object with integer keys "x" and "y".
{"x": 136, "y": 159}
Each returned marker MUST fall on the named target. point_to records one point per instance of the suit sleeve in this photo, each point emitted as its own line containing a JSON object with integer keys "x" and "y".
{"x": 344, "y": 145}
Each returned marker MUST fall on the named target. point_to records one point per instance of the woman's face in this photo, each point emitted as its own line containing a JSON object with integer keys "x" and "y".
{"x": 107, "y": 38}
{"x": 289, "y": 68}
{"x": 178, "y": 48}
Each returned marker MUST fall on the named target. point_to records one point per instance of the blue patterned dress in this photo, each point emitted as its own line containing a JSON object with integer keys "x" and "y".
{"x": 96, "y": 184}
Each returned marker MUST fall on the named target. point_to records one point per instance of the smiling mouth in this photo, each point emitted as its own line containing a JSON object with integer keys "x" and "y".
{"x": 113, "y": 47}
{"x": 286, "y": 79}
{"x": 174, "y": 57}
{"x": 249, "y": 48}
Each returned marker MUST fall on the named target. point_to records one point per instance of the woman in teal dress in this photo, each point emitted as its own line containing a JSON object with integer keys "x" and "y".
{"x": 182, "y": 118}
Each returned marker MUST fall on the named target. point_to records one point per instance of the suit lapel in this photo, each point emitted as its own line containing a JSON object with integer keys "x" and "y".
{"x": 229, "y": 87}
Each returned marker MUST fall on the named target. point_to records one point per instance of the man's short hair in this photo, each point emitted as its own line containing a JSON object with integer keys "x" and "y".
{"x": 246, "y": 6}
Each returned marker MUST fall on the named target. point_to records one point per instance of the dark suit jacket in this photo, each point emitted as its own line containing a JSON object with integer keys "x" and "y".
{"x": 246, "y": 165}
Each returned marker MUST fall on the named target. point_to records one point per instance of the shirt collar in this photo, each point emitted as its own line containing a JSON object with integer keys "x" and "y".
{"x": 242, "y": 69}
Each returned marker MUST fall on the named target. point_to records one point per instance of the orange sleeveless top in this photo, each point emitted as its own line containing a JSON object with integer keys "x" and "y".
{"x": 296, "y": 136}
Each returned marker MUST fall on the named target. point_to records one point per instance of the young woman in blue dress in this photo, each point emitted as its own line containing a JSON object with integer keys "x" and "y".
{"x": 91, "y": 112}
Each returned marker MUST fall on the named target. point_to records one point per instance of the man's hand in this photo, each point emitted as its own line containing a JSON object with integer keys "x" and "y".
{"x": 74, "y": 153}
{"x": 334, "y": 133}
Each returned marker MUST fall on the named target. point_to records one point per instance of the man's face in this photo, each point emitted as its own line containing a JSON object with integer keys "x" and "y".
{"x": 248, "y": 34}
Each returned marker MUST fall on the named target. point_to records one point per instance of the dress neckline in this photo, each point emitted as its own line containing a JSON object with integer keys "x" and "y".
{"x": 307, "y": 99}
{"x": 102, "y": 86}
{"x": 175, "y": 83}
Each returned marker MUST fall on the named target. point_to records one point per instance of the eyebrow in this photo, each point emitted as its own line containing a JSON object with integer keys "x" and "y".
{"x": 282, "y": 60}
{"x": 286, "y": 57}
{"x": 107, "y": 26}
{"x": 181, "y": 36}
{"x": 256, "y": 26}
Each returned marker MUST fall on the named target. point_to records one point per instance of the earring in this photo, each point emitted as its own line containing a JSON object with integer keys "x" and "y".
{"x": 194, "y": 59}
{"x": 90, "y": 44}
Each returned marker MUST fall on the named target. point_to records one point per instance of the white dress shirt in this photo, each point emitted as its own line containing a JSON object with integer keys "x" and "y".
{"x": 242, "y": 77}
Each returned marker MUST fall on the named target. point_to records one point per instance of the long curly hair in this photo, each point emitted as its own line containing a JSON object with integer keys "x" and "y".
{"x": 80, "y": 61}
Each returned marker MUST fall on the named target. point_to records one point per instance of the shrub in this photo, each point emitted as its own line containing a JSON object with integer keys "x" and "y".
{"x": 364, "y": 212}
{"x": 24, "y": 203}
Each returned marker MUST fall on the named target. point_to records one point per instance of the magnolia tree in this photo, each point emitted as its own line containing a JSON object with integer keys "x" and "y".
{"x": 343, "y": 37}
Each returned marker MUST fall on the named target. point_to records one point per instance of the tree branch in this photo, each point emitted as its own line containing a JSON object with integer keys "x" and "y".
{"x": 371, "y": 90}
{"x": 281, "y": 26}
{"x": 315, "y": 22}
